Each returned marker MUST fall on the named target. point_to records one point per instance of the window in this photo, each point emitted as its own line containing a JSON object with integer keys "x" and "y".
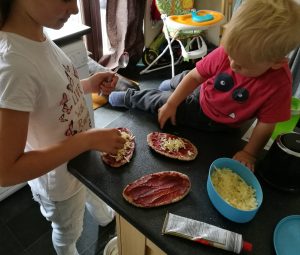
{"x": 78, "y": 17}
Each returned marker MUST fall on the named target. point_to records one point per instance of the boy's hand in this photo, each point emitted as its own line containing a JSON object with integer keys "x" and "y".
{"x": 165, "y": 113}
{"x": 259, "y": 137}
{"x": 245, "y": 158}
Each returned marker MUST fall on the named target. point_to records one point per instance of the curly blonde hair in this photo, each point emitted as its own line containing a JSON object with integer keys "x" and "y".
{"x": 266, "y": 30}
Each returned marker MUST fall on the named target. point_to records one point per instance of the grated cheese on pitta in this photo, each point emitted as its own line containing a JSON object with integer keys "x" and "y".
{"x": 172, "y": 144}
{"x": 121, "y": 154}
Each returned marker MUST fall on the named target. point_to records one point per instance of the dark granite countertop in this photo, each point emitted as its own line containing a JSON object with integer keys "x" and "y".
{"x": 108, "y": 183}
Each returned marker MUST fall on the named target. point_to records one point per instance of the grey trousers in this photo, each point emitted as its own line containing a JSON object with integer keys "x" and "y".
{"x": 189, "y": 112}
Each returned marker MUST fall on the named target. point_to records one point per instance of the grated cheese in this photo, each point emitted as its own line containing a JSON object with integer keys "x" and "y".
{"x": 233, "y": 189}
{"x": 172, "y": 144}
{"x": 121, "y": 154}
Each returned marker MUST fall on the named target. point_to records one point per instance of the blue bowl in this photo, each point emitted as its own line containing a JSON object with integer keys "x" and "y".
{"x": 228, "y": 211}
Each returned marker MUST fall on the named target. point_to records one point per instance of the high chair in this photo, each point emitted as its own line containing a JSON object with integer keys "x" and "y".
{"x": 181, "y": 22}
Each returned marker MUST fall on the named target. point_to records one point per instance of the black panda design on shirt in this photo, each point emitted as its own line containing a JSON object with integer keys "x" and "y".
{"x": 224, "y": 83}
{"x": 240, "y": 94}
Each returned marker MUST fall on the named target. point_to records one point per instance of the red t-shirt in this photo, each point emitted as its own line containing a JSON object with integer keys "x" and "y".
{"x": 230, "y": 98}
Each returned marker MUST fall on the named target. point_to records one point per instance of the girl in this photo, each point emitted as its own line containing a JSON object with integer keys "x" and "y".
{"x": 44, "y": 121}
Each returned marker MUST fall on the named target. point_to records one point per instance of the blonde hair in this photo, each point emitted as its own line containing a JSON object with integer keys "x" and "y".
{"x": 266, "y": 30}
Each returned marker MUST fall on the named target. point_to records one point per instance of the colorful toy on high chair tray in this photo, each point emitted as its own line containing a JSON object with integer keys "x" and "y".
{"x": 202, "y": 19}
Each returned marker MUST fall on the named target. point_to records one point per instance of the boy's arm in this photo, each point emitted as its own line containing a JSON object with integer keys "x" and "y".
{"x": 187, "y": 85}
{"x": 259, "y": 137}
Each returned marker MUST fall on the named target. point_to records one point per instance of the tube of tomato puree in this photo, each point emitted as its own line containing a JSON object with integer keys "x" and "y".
{"x": 204, "y": 233}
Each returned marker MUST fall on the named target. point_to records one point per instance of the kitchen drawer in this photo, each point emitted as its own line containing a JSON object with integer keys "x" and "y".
{"x": 133, "y": 242}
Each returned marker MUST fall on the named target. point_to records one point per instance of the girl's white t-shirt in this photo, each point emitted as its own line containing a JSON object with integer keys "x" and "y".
{"x": 37, "y": 77}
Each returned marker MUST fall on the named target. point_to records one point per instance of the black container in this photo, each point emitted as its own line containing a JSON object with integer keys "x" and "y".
{"x": 281, "y": 165}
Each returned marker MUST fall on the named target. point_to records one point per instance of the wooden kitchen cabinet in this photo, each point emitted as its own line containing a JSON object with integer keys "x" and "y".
{"x": 133, "y": 242}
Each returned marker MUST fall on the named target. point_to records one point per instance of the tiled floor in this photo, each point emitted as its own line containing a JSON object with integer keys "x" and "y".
{"x": 23, "y": 231}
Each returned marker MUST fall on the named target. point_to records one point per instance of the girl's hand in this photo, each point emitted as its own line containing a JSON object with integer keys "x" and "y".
{"x": 245, "y": 158}
{"x": 165, "y": 113}
{"x": 103, "y": 83}
{"x": 106, "y": 87}
{"x": 106, "y": 140}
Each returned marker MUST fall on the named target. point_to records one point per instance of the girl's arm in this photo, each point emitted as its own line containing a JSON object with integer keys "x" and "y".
{"x": 17, "y": 166}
